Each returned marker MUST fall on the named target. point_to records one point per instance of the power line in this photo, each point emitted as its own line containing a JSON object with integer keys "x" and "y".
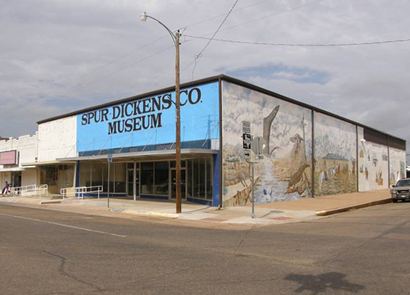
{"x": 120, "y": 60}
{"x": 109, "y": 74}
{"x": 133, "y": 51}
{"x": 125, "y": 56}
{"x": 259, "y": 18}
{"x": 301, "y": 44}
{"x": 217, "y": 30}
{"x": 253, "y": 20}
{"x": 205, "y": 20}
{"x": 271, "y": 14}
{"x": 183, "y": 28}
{"x": 212, "y": 37}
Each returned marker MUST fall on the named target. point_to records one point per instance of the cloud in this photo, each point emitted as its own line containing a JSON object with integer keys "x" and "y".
{"x": 282, "y": 72}
{"x": 59, "y": 56}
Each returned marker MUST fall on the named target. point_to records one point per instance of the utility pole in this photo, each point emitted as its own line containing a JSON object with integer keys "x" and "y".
{"x": 178, "y": 129}
{"x": 175, "y": 38}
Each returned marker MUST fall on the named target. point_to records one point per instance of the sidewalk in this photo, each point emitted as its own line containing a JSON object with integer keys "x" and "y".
{"x": 327, "y": 205}
{"x": 205, "y": 216}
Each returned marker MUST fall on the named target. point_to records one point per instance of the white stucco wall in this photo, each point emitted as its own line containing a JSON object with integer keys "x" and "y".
{"x": 26, "y": 145}
{"x": 57, "y": 139}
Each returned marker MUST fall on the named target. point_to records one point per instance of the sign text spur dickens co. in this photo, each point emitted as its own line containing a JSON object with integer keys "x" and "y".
{"x": 140, "y": 114}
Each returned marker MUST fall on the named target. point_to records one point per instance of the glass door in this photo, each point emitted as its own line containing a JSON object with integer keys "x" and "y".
{"x": 183, "y": 183}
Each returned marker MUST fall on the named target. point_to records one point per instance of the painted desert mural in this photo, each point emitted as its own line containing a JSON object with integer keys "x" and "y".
{"x": 335, "y": 155}
{"x": 285, "y": 172}
{"x": 339, "y": 161}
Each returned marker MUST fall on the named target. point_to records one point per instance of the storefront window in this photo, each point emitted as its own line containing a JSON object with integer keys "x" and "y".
{"x": 96, "y": 173}
{"x": 65, "y": 177}
{"x": 93, "y": 174}
{"x": 161, "y": 178}
{"x": 57, "y": 177}
{"x": 118, "y": 177}
{"x": 200, "y": 178}
{"x": 155, "y": 178}
{"x": 85, "y": 174}
{"x": 209, "y": 179}
{"x": 183, "y": 164}
{"x": 199, "y": 186}
{"x": 99, "y": 175}
{"x": 190, "y": 174}
{"x": 147, "y": 178}
{"x": 195, "y": 178}
{"x": 49, "y": 175}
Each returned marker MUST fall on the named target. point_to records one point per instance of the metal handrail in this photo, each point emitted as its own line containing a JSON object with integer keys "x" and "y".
{"x": 81, "y": 190}
{"x": 32, "y": 188}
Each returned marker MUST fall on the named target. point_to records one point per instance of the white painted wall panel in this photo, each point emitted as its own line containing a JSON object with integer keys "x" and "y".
{"x": 57, "y": 139}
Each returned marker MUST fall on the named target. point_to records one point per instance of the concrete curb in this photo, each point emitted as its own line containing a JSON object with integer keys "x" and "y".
{"x": 344, "y": 209}
{"x": 50, "y": 202}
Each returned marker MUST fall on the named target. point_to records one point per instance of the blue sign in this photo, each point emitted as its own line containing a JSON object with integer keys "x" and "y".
{"x": 149, "y": 123}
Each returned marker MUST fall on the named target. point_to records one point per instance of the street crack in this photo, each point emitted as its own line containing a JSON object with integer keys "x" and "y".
{"x": 63, "y": 272}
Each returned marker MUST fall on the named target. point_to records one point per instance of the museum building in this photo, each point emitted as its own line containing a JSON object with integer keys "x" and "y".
{"x": 127, "y": 147}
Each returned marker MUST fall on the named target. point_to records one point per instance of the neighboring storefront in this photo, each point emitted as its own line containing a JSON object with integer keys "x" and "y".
{"x": 56, "y": 176}
{"x": 15, "y": 156}
{"x": 127, "y": 147}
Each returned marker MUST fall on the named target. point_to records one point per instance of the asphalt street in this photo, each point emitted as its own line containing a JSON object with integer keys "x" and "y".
{"x": 359, "y": 252}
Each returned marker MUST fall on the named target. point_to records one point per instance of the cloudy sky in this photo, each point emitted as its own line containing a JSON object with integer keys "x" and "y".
{"x": 57, "y": 56}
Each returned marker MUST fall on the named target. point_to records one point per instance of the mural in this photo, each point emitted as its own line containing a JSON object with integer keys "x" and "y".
{"x": 285, "y": 172}
{"x": 397, "y": 165}
{"x": 343, "y": 161}
{"x": 335, "y": 156}
{"x": 373, "y": 164}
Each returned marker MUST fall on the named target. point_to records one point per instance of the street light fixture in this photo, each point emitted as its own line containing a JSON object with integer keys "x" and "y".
{"x": 175, "y": 38}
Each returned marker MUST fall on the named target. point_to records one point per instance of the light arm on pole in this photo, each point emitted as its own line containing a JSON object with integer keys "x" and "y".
{"x": 145, "y": 16}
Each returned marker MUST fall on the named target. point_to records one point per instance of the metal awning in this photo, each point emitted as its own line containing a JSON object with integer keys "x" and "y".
{"x": 12, "y": 169}
{"x": 145, "y": 154}
{"x": 35, "y": 164}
